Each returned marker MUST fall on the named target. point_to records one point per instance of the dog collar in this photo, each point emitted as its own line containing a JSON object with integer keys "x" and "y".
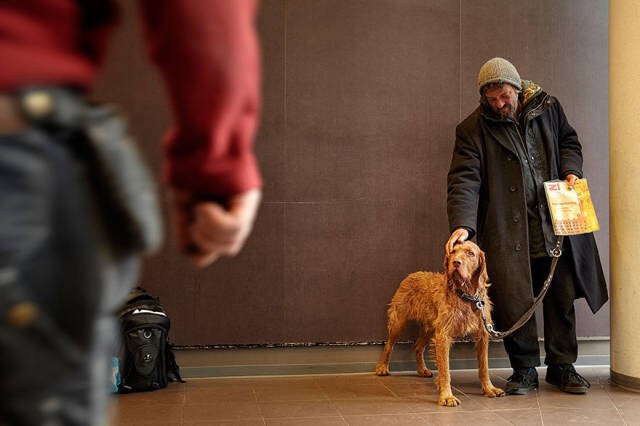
{"x": 473, "y": 299}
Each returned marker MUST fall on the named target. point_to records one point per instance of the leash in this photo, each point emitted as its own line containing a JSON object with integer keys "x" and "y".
{"x": 556, "y": 253}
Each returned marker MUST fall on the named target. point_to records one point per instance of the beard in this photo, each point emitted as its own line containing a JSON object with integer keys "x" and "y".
{"x": 507, "y": 111}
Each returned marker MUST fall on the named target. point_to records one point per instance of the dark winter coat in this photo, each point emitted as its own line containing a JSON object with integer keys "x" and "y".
{"x": 486, "y": 195}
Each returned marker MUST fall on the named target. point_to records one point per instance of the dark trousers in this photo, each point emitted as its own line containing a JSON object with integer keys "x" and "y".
{"x": 53, "y": 255}
{"x": 560, "y": 342}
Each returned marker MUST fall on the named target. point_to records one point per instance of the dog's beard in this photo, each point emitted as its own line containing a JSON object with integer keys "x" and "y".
{"x": 458, "y": 281}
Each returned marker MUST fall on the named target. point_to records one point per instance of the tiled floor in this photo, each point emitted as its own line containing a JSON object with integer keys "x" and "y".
{"x": 365, "y": 399}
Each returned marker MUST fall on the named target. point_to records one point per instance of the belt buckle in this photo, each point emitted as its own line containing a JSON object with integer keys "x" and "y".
{"x": 37, "y": 103}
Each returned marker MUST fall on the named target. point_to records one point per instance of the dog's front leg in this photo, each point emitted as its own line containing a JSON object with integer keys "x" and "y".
{"x": 482, "y": 350}
{"x": 443, "y": 343}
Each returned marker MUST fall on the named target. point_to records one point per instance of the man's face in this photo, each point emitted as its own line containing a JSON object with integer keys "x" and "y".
{"x": 503, "y": 100}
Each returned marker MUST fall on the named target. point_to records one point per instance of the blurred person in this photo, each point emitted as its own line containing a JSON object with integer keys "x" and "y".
{"x": 518, "y": 138}
{"x": 71, "y": 239}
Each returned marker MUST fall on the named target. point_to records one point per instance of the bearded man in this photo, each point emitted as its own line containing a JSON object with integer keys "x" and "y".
{"x": 516, "y": 139}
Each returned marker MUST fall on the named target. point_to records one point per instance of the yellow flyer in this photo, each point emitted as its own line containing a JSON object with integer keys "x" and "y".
{"x": 571, "y": 210}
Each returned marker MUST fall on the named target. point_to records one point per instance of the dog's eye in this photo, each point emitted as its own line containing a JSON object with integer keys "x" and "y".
{"x": 471, "y": 254}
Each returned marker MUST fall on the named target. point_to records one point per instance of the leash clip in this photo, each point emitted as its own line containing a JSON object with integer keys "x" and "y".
{"x": 557, "y": 250}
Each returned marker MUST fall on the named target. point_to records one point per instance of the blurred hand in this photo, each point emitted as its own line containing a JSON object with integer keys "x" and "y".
{"x": 206, "y": 230}
{"x": 571, "y": 180}
{"x": 459, "y": 235}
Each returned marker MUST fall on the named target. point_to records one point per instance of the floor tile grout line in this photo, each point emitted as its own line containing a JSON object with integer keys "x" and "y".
{"x": 620, "y": 414}
{"x": 539, "y": 407}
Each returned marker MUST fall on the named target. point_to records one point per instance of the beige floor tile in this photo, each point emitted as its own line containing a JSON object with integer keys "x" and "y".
{"x": 356, "y": 391}
{"x": 217, "y": 381}
{"x": 469, "y": 418}
{"x": 222, "y": 410}
{"x": 220, "y": 393}
{"x": 507, "y": 402}
{"x": 387, "y": 420}
{"x": 148, "y": 413}
{"x": 521, "y": 417}
{"x": 213, "y": 422}
{"x": 594, "y": 399}
{"x": 359, "y": 407}
{"x": 564, "y": 416}
{"x": 161, "y": 396}
{"x": 310, "y": 421}
{"x": 298, "y": 409}
{"x": 299, "y": 392}
{"x": 421, "y": 391}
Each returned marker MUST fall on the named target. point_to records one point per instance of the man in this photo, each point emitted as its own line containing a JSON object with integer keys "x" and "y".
{"x": 514, "y": 141}
{"x": 62, "y": 271}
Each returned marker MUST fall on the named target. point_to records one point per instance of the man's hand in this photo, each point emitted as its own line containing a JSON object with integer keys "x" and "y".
{"x": 459, "y": 235}
{"x": 207, "y": 230}
{"x": 571, "y": 180}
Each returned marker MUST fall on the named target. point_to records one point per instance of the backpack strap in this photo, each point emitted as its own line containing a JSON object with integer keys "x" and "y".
{"x": 173, "y": 370}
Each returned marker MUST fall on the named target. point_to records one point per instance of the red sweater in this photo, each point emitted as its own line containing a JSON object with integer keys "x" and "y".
{"x": 206, "y": 50}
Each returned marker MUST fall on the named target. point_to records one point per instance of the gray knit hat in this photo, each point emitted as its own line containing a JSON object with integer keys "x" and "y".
{"x": 498, "y": 70}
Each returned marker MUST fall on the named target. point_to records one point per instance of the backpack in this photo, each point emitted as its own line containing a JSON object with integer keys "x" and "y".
{"x": 146, "y": 360}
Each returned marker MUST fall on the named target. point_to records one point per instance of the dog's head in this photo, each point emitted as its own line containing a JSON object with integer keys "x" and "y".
{"x": 466, "y": 267}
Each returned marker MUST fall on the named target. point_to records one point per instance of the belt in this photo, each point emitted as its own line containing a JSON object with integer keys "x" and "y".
{"x": 18, "y": 111}
{"x": 11, "y": 117}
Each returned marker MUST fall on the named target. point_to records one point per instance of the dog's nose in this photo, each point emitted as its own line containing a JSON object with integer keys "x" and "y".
{"x": 456, "y": 263}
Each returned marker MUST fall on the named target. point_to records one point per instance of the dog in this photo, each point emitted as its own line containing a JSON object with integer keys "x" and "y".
{"x": 435, "y": 301}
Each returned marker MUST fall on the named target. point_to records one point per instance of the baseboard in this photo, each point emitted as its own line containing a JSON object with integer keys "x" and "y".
{"x": 344, "y": 359}
{"x": 624, "y": 381}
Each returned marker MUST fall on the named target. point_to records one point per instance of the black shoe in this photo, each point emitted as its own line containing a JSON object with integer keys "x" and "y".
{"x": 522, "y": 381}
{"x": 567, "y": 378}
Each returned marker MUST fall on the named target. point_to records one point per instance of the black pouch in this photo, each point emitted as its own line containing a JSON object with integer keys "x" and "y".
{"x": 125, "y": 191}
{"x": 121, "y": 185}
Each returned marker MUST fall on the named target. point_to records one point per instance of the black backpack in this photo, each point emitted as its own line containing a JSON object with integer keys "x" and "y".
{"x": 146, "y": 359}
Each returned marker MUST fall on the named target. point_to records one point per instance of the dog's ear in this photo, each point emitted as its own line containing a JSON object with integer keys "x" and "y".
{"x": 483, "y": 276}
{"x": 445, "y": 264}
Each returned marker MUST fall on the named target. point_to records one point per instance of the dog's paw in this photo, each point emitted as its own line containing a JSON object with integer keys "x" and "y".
{"x": 493, "y": 392}
{"x": 382, "y": 370}
{"x": 448, "y": 401}
{"x": 425, "y": 372}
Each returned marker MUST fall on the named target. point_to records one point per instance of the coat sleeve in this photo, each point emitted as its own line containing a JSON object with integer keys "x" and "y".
{"x": 463, "y": 183}
{"x": 569, "y": 147}
{"x": 207, "y": 52}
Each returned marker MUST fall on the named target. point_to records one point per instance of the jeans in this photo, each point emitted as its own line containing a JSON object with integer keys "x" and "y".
{"x": 54, "y": 254}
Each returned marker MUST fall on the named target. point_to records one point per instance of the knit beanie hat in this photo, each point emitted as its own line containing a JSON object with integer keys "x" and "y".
{"x": 498, "y": 70}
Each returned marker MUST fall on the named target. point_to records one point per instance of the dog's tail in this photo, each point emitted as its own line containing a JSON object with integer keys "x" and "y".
{"x": 393, "y": 319}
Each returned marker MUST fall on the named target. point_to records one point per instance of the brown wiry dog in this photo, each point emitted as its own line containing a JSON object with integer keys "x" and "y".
{"x": 432, "y": 300}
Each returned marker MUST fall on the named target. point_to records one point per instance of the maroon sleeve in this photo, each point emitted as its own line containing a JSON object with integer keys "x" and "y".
{"x": 208, "y": 54}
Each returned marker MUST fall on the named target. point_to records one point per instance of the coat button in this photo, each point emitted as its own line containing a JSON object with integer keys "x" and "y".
{"x": 518, "y": 247}
{"x": 516, "y": 219}
{"x": 512, "y": 188}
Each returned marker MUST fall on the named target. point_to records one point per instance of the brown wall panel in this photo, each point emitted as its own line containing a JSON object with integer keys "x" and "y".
{"x": 361, "y": 99}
